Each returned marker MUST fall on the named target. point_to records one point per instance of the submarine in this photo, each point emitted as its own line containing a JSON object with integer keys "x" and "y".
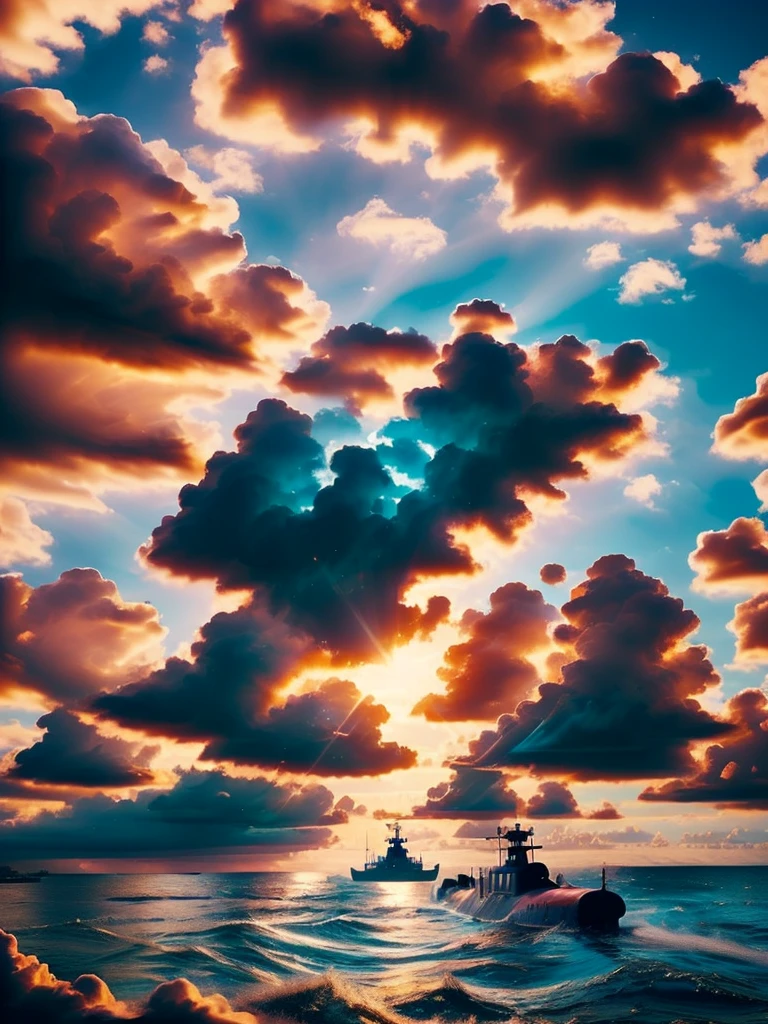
{"x": 397, "y": 866}
{"x": 521, "y": 892}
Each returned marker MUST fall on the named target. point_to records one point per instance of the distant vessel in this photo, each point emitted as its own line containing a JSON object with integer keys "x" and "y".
{"x": 522, "y": 892}
{"x": 8, "y": 875}
{"x": 397, "y": 866}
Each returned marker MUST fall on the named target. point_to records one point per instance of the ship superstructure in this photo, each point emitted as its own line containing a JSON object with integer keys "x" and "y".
{"x": 396, "y": 865}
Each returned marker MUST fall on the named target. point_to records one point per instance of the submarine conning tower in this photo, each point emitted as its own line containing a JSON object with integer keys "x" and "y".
{"x": 516, "y": 874}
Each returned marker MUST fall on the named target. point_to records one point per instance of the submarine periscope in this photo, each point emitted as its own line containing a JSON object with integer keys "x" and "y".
{"x": 521, "y": 892}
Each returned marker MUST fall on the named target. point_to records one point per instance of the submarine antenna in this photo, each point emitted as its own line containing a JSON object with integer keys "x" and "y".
{"x": 603, "y": 885}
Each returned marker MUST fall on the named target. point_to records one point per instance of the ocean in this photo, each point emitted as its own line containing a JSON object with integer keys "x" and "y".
{"x": 309, "y": 948}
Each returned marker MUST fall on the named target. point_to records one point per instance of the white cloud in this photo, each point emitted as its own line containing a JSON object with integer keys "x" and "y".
{"x": 756, "y": 253}
{"x": 411, "y": 237}
{"x": 233, "y": 168}
{"x": 705, "y": 240}
{"x": 649, "y": 277}
{"x": 643, "y": 489}
{"x": 21, "y": 541}
{"x": 155, "y": 64}
{"x": 156, "y": 33}
{"x": 603, "y": 254}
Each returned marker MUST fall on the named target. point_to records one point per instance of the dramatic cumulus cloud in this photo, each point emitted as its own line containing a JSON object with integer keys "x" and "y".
{"x": 483, "y": 316}
{"x": 552, "y": 573}
{"x": 625, "y": 706}
{"x": 338, "y": 560}
{"x": 74, "y": 637}
{"x": 22, "y": 542}
{"x": 603, "y": 254}
{"x": 407, "y": 237}
{"x": 471, "y": 793}
{"x": 489, "y": 672}
{"x": 707, "y": 241}
{"x": 573, "y": 134}
{"x": 732, "y": 561}
{"x": 649, "y": 277}
{"x": 332, "y": 730}
{"x": 743, "y": 433}
{"x": 733, "y": 772}
{"x": 31, "y": 34}
{"x": 352, "y": 363}
{"x": 553, "y": 800}
{"x": 109, "y": 333}
{"x": 750, "y": 625}
{"x": 204, "y": 810}
{"x": 74, "y": 753}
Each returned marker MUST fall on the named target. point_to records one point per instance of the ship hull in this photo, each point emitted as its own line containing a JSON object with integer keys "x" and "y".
{"x": 393, "y": 875}
{"x": 593, "y": 909}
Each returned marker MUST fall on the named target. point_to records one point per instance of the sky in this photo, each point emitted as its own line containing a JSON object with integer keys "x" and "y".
{"x": 384, "y": 431}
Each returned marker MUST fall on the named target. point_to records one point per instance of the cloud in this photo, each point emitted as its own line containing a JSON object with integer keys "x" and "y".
{"x": 649, "y": 277}
{"x": 743, "y": 434}
{"x": 756, "y": 253}
{"x": 605, "y": 812}
{"x": 483, "y": 316}
{"x": 351, "y": 363}
{"x": 471, "y": 793}
{"x": 72, "y": 638}
{"x": 574, "y": 135}
{"x": 553, "y": 573}
{"x": 625, "y": 707}
{"x": 643, "y": 489}
{"x": 731, "y": 561}
{"x": 156, "y": 65}
{"x": 110, "y": 334}
{"x": 155, "y": 32}
{"x": 233, "y": 168}
{"x": 750, "y": 624}
{"x": 21, "y": 540}
{"x": 603, "y": 254}
{"x": 553, "y": 800}
{"x": 706, "y": 241}
{"x": 204, "y": 810}
{"x": 489, "y": 671}
{"x": 73, "y": 753}
{"x": 30, "y": 34}
{"x": 331, "y": 730}
{"x": 734, "y": 772}
{"x": 413, "y": 238}
{"x": 338, "y": 560}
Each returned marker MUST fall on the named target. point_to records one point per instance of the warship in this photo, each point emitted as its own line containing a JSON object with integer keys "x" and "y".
{"x": 396, "y": 866}
{"x": 521, "y": 892}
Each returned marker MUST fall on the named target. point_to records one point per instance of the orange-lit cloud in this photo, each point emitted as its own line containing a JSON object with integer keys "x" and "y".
{"x": 413, "y": 238}
{"x": 731, "y": 561}
{"x": 507, "y": 91}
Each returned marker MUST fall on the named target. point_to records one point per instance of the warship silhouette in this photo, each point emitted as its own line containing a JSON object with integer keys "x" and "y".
{"x": 397, "y": 866}
{"x": 521, "y": 892}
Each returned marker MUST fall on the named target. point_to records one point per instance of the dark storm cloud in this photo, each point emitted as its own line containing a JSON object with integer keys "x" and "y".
{"x": 106, "y": 241}
{"x": 71, "y": 638}
{"x": 484, "y": 87}
{"x": 237, "y": 665}
{"x": 734, "y": 772}
{"x": 204, "y": 811}
{"x": 552, "y": 573}
{"x": 332, "y": 730}
{"x": 626, "y": 366}
{"x": 626, "y": 705}
{"x": 351, "y": 363}
{"x": 75, "y": 753}
{"x": 732, "y": 560}
{"x": 339, "y": 569}
{"x": 553, "y": 800}
{"x": 489, "y": 672}
{"x": 336, "y": 570}
{"x": 471, "y": 793}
